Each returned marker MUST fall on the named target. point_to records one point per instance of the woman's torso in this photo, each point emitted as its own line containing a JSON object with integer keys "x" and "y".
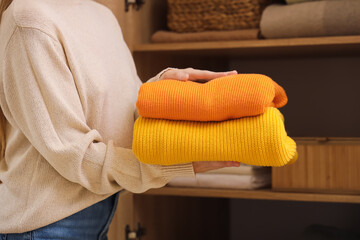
{"x": 105, "y": 78}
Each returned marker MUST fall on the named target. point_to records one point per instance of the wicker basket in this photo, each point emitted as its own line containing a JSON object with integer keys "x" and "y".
{"x": 202, "y": 15}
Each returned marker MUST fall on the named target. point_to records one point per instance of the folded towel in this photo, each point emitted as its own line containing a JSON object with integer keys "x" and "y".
{"x": 244, "y": 169}
{"x": 311, "y": 19}
{"x": 223, "y": 181}
{"x": 221, "y": 99}
{"x": 259, "y": 140}
{"x": 169, "y": 37}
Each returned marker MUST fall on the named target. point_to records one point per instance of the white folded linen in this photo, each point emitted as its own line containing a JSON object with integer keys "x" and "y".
{"x": 242, "y": 170}
{"x": 205, "y": 180}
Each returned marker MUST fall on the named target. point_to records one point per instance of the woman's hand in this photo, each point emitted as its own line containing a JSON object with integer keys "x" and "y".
{"x": 190, "y": 74}
{"x": 207, "y": 166}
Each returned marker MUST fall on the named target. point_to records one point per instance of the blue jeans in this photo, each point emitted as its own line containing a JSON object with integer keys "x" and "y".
{"x": 92, "y": 223}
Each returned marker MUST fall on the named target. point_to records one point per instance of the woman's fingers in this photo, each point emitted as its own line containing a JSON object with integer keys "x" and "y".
{"x": 176, "y": 74}
{"x": 212, "y": 165}
{"x": 190, "y": 74}
{"x": 208, "y": 75}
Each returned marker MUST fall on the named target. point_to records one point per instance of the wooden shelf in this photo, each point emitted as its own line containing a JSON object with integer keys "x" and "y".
{"x": 266, "y": 194}
{"x": 274, "y": 47}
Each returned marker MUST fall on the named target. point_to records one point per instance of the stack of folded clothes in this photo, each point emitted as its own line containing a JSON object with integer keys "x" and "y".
{"x": 243, "y": 177}
{"x": 311, "y": 19}
{"x": 232, "y": 118}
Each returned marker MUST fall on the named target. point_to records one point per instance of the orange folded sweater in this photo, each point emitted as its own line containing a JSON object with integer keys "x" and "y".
{"x": 221, "y": 99}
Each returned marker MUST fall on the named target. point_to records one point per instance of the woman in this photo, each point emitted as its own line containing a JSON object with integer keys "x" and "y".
{"x": 67, "y": 92}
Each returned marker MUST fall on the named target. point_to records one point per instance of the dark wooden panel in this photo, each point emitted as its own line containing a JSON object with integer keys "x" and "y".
{"x": 324, "y": 99}
{"x": 179, "y": 218}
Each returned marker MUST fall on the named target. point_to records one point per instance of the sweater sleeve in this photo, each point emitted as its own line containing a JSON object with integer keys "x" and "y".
{"x": 40, "y": 98}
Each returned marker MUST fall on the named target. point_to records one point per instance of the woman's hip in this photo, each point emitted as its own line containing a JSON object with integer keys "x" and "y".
{"x": 91, "y": 223}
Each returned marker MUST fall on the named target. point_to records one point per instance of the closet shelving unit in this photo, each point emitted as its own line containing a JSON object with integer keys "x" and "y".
{"x": 174, "y": 207}
{"x": 187, "y": 213}
{"x": 215, "y": 54}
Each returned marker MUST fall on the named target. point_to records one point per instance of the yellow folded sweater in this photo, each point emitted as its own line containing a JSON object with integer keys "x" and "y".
{"x": 259, "y": 140}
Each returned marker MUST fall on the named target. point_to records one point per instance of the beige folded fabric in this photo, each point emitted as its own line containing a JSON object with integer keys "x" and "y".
{"x": 301, "y": 1}
{"x": 298, "y": 1}
{"x": 311, "y": 19}
{"x": 204, "y": 180}
{"x": 244, "y": 169}
{"x": 169, "y": 37}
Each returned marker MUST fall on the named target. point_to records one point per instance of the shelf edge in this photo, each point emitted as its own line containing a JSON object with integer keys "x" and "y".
{"x": 254, "y": 194}
{"x": 260, "y": 43}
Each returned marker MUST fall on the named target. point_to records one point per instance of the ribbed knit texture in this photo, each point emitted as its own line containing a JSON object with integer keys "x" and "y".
{"x": 221, "y": 99}
{"x": 68, "y": 88}
{"x": 259, "y": 140}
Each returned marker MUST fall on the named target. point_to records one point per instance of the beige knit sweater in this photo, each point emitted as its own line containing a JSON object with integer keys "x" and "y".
{"x": 68, "y": 90}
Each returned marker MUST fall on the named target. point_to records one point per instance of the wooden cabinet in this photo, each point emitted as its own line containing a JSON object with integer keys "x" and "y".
{"x": 324, "y": 166}
{"x": 326, "y": 65}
